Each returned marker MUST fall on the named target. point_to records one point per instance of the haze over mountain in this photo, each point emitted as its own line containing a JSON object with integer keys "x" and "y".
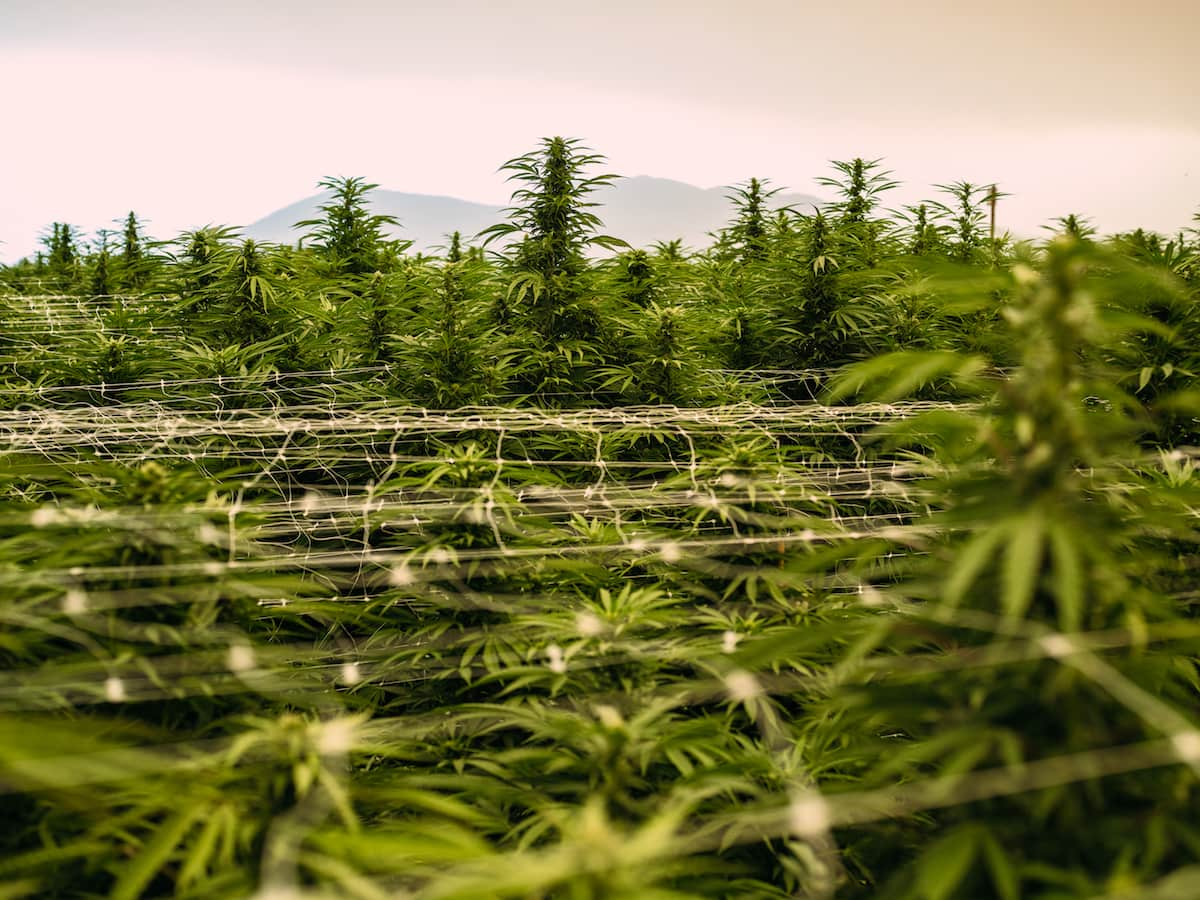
{"x": 640, "y": 210}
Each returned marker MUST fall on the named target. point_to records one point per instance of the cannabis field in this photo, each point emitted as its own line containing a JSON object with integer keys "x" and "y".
{"x": 851, "y": 556}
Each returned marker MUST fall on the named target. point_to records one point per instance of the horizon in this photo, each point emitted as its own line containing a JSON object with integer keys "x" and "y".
{"x": 86, "y": 236}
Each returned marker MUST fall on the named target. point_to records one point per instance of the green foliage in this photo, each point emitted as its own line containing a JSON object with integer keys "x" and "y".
{"x": 861, "y": 184}
{"x": 101, "y": 279}
{"x": 248, "y": 284}
{"x": 638, "y": 278}
{"x": 60, "y": 247}
{"x": 926, "y": 235}
{"x": 749, "y": 236}
{"x": 1039, "y": 537}
{"x": 348, "y": 237}
{"x": 450, "y": 356}
{"x": 967, "y": 215}
{"x": 131, "y": 245}
{"x": 554, "y": 225}
{"x": 852, "y": 556}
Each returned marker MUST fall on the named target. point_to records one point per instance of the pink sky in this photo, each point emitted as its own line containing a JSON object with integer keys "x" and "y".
{"x": 224, "y": 111}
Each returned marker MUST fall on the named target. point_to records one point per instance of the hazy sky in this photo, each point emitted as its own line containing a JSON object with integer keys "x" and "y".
{"x": 224, "y": 110}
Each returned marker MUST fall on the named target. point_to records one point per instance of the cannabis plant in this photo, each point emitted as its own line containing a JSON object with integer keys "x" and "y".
{"x": 348, "y": 237}
{"x": 1038, "y": 547}
{"x": 553, "y": 226}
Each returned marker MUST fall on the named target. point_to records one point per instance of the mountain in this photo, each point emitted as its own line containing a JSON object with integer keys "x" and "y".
{"x": 640, "y": 210}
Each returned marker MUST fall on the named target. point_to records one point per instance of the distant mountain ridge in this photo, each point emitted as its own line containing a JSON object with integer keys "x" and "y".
{"x": 639, "y": 209}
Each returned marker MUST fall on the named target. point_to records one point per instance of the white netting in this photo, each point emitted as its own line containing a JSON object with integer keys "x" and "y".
{"x": 321, "y": 505}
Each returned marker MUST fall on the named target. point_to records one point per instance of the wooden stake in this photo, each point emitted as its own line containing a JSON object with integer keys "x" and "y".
{"x": 992, "y": 196}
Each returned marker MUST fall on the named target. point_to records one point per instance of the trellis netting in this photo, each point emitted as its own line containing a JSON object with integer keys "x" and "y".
{"x": 278, "y": 633}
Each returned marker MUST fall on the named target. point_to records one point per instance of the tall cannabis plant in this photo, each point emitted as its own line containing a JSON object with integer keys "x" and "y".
{"x": 348, "y": 236}
{"x": 860, "y": 187}
{"x": 966, "y": 212}
{"x": 1045, "y": 587}
{"x": 62, "y": 257}
{"x": 449, "y": 355}
{"x": 100, "y": 279}
{"x": 818, "y": 323}
{"x": 134, "y": 263}
{"x": 749, "y": 236}
{"x": 248, "y": 285}
{"x": 554, "y": 226}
